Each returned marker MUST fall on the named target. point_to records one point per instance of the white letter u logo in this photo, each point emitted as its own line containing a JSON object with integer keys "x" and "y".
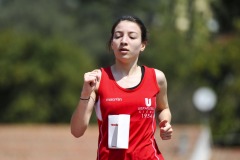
{"x": 148, "y": 102}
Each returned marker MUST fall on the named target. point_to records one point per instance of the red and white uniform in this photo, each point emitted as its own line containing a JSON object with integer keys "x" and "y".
{"x": 140, "y": 104}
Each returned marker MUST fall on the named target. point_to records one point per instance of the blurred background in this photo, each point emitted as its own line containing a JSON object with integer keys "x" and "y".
{"x": 46, "y": 46}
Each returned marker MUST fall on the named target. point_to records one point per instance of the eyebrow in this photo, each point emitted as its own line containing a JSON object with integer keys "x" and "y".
{"x": 122, "y": 31}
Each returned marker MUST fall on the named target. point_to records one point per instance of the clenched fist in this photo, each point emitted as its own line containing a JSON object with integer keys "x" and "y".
{"x": 165, "y": 130}
{"x": 90, "y": 82}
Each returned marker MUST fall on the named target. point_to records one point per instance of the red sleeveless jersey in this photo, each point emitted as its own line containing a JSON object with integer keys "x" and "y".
{"x": 140, "y": 104}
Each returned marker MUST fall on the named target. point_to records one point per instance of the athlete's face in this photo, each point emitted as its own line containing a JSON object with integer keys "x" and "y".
{"x": 127, "y": 42}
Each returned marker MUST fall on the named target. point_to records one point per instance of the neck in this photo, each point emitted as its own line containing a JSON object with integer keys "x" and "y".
{"x": 125, "y": 69}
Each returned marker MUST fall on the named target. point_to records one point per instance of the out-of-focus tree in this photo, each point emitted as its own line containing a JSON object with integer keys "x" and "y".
{"x": 216, "y": 65}
{"x": 40, "y": 77}
{"x": 227, "y": 13}
{"x": 179, "y": 31}
{"x": 42, "y": 64}
{"x": 222, "y": 71}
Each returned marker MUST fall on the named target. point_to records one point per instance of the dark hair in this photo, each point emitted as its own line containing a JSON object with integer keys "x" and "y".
{"x": 131, "y": 19}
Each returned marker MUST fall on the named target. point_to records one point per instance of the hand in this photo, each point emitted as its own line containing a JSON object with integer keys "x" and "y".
{"x": 165, "y": 130}
{"x": 90, "y": 81}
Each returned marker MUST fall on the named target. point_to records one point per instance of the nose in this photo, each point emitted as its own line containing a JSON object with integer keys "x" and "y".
{"x": 124, "y": 40}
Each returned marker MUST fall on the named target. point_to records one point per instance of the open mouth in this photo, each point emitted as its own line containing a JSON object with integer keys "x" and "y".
{"x": 123, "y": 50}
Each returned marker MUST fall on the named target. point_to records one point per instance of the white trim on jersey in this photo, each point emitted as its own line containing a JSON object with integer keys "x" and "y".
{"x": 152, "y": 140}
{"x": 98, "y": 110}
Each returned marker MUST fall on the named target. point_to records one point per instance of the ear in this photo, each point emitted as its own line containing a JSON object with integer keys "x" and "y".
{"x": 144, "y": 44}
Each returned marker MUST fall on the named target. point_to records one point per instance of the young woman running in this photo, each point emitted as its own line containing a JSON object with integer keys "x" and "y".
{"x": 126, "y": 98}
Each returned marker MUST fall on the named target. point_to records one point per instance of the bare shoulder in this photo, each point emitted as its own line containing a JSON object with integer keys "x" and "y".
{"x": 160, "y": 76}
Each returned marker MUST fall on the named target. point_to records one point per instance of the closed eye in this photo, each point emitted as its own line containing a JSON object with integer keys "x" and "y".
{"x": 133, "y": 35}
{"x": 118, "y": 35}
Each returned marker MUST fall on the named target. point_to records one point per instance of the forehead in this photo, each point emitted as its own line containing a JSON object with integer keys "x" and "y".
{"x": 127, "y": 26}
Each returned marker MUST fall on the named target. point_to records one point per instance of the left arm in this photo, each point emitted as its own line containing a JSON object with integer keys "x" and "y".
{"x": 163, "y": 110}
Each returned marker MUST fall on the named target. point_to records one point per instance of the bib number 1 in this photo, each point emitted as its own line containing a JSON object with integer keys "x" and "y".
{"x": 118, "y": 131}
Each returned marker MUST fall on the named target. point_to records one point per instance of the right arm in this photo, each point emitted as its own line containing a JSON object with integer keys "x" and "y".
{"x": 81, "y": 116}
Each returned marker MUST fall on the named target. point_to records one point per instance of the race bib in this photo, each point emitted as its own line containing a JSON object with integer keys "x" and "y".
{"x": 118, "y": 131}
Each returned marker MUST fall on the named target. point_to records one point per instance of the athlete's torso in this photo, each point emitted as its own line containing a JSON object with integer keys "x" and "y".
{"x": 140, "y": 104}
